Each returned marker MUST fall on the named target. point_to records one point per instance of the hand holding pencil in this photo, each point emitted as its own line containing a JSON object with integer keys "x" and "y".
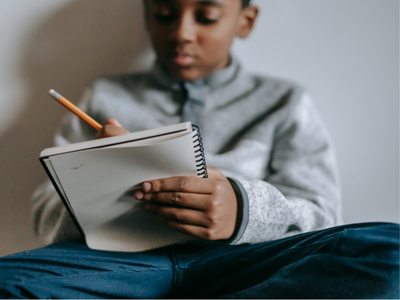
{"x": 111, "y": 128}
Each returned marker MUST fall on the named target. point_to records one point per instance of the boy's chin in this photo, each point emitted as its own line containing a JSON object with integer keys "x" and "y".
{"x": 188, "y": 74}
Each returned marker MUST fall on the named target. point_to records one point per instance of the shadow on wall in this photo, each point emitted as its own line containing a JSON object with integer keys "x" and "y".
{"x": 69, "y": 48}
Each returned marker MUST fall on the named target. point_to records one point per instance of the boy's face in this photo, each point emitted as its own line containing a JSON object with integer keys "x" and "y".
{"x": 192, "y": 38}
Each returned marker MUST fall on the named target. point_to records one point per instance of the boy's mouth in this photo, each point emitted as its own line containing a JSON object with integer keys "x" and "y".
{"x": 182, "y": 59}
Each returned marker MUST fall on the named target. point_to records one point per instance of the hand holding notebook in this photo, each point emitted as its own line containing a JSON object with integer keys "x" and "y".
{"x": 205, "y": 208}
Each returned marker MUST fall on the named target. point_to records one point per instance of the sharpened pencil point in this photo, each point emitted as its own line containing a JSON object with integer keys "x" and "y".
{"x": 54, "y": 94}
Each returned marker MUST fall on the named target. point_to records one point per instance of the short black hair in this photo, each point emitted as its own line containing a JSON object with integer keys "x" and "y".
{"x": 245, "y": 3}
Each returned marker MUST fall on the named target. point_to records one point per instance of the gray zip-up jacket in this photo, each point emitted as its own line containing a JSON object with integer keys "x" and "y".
{"x": 263, "y": 133}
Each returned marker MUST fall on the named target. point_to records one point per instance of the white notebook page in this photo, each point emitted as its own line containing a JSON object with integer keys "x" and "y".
{"x": 97, "y": 184}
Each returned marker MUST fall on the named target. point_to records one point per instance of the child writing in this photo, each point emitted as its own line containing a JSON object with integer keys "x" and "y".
{"x": 265, "y": 217}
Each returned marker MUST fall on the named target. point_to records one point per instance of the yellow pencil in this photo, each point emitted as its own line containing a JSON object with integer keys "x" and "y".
{"x": 85, "y": 117}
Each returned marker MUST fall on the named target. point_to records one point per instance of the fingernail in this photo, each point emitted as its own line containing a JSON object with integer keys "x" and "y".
{"x": 139, "y": 195}
{"x": 147, "y": 186}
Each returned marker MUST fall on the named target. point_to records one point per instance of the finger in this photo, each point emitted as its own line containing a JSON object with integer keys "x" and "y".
{"x": 181, "y": 184}
{"x": 138, "y": 194}
{"x": 113, "y": 122}
{"x": 180, "y": 215}
{"x": 110, "y": 130}
{"x": 189, "y": 200}
{"x": 193, "y": 230}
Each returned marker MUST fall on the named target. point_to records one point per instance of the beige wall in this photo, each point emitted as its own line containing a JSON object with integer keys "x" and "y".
{"x": 344, "y": 51}
{"x": 51, "y": 44}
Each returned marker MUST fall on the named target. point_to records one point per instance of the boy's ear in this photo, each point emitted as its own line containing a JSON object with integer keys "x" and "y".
{"x": 246, "y": 22}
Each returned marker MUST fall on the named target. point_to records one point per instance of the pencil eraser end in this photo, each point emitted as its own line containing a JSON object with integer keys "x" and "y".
{"x": 54, "y": 94}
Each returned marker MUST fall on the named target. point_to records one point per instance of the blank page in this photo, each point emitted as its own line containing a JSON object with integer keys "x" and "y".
{"x": 98, "y": 184}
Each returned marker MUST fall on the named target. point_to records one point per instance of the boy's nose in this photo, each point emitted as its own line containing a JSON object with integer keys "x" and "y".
{"x": 185, "y": 29}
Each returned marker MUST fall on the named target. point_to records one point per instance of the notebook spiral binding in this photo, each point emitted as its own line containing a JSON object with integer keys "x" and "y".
{"x": 199, "y": 154}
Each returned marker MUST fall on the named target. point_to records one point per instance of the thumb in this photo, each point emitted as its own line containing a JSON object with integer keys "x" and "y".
{"x": 113, "y": 122}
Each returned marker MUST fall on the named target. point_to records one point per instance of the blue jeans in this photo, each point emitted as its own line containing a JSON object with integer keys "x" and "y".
{"x": 351, "y": 261}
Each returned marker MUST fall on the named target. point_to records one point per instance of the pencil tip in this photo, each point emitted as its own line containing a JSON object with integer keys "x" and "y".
{"x": 54, "y": 94}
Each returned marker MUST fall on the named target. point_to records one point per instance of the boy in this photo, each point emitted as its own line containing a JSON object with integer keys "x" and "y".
{"x": 274, "y": 180}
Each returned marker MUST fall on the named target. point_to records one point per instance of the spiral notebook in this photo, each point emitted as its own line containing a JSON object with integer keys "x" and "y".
{"x": 95, "y": 180}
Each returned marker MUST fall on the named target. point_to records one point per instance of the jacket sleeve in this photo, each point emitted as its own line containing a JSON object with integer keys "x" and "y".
{"x": 52, "y": 222}
{"x": 301, "y": 192}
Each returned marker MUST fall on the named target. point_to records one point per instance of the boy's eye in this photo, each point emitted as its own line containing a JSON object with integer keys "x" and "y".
{"x": 163, "y": 13}
{"x": 206, "y": 21}
{"x": 208, "y": 16}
